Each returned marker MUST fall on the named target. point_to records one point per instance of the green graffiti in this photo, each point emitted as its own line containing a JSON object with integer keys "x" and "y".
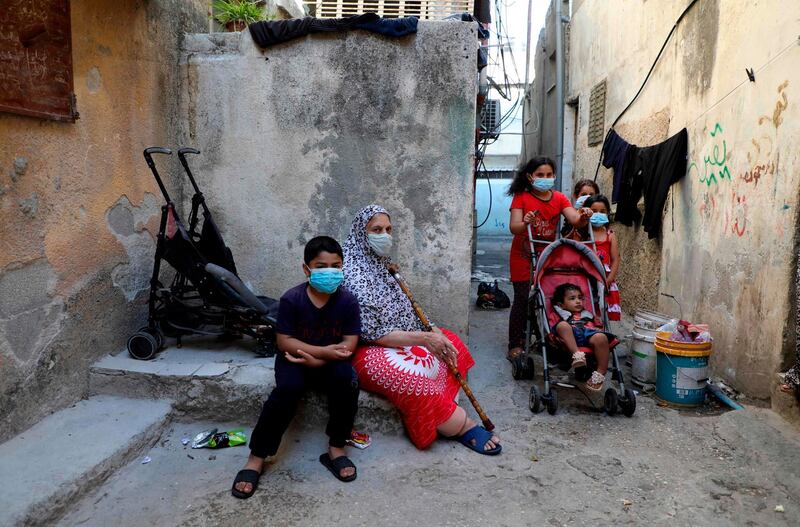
{"x": 715, "y": 166}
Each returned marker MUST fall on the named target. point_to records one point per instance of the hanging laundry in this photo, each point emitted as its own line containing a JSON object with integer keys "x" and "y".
{"x": 270, "y": 32}
{"x": 614, "y": 150}
{"x": 650, "y": 171}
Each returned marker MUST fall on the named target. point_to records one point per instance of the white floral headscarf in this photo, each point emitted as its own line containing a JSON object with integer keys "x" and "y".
{"x": 384, "y": 306}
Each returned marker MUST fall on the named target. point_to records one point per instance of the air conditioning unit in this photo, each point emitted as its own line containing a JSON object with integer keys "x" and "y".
{"x": 490, "y": 119}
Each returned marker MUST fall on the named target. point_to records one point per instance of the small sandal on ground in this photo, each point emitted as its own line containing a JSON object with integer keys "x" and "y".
{"x": 247, "y": 475}
{"x": 337, "y": 465}
{"x": 578, "y": 359}
{"x": 596, "y": 381}
{"x": 481, "y": 436}
{"x": 514, "y": 353}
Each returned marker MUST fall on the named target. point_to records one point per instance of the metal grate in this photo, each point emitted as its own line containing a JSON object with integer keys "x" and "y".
{"x": 597, "y": 114}
{"x": 490, "y": 119}
{"x": 422, "y": 9}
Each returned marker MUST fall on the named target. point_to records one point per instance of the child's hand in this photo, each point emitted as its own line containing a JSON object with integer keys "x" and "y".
{"x": 335, "y": 352}
{"x": 529, "y": 217}
{"x": 586, "y": 213}
{"x": 305, "y": 359}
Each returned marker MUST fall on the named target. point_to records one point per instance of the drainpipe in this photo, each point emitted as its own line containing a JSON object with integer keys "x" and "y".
{"x": 560, "y": 19}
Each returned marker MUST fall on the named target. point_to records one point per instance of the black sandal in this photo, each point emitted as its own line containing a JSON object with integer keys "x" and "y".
{"x": 336, "y": 466}
{"x": 247, "y": 475}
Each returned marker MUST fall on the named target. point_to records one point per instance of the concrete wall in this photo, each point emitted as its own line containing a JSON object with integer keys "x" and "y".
{"x": 298, "y": 138}
{"x": 78, "y": 207}
{"x": 729, "y": 257}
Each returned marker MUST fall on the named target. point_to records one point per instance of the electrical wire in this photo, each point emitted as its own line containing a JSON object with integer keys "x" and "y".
{"x": 647, "y": 77}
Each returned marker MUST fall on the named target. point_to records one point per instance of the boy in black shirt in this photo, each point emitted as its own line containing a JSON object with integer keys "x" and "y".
{"x": 318, "y": 329}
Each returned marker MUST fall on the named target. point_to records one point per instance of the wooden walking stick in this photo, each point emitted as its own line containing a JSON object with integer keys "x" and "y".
{"x": 487, "y": 423}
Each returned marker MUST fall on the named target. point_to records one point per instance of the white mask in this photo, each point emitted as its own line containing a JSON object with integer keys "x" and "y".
{"x": 380, "y": 243}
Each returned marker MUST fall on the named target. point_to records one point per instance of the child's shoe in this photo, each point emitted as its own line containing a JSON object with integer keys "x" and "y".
{"x": 578, "y": 359}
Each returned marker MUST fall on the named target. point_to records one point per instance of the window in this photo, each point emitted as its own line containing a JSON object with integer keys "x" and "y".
{"x": 597, "y": 114}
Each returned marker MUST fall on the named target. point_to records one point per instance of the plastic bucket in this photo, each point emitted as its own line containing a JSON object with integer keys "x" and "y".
{"x": 681, "y": 370}
{"x": 643, "y": 358}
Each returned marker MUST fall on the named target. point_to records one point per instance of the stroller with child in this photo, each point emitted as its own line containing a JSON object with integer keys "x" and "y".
{"x": 205, "y": 296}
{"x": 562, "y": 261}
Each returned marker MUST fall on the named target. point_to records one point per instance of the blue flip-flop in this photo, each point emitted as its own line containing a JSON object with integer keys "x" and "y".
{"x": 481, "y": 437}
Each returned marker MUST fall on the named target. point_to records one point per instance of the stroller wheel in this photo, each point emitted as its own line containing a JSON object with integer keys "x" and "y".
{"x": 535, "y": 400}
{"x": 517, "y": 368}
{"x": 156, "y": 333}
{"x": 628, "y": 403}
{"x": 142, "y": 345}
{"x": 530, "y": 369}
{"x": 552, "y": 402}
{"x": 610, "y": 401}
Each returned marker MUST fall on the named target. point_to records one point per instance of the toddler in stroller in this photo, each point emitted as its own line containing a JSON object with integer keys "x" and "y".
{"x": 568, "y": 316}
{"x": 579, "y": 331}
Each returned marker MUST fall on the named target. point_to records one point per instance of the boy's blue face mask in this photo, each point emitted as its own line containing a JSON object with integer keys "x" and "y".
{"x": 326, "y": 279}
{"x": 599, "y": 219}
{"x": 543, "y": 184}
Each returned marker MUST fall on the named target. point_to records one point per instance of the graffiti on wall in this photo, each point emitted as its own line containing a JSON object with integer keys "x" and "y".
{"x": 728, "y": 199}
{"x": 715, "y": 164}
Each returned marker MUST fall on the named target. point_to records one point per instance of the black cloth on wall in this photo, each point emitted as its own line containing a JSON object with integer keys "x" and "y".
{"x": 614, "y": 150}
{"x": 650, "y": 171}
{"x": 267, "y": 33}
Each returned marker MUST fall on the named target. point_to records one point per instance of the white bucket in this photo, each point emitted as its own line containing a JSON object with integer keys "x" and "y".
{"x": 643, "y": 358}
{"x": 643, "y": 351}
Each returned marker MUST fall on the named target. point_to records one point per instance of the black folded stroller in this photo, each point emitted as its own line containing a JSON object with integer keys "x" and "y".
{"x": 206, "y": 296}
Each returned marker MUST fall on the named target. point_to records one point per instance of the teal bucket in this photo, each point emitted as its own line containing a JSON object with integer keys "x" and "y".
{"x": 681, "y": 371}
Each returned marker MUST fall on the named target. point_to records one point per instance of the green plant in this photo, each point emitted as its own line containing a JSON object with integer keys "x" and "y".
{"x": 246, "y": 11}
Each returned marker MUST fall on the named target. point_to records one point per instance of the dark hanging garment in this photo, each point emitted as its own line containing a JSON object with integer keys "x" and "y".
{"x": 270, "y": 32}
{"x": 649, "y": 172}
{"x": 614, "y": 150}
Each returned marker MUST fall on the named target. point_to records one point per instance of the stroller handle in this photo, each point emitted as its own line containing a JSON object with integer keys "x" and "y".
{"x": 149, "y": 158}
{"x": 182, "y": 155}
{"x": 157, "y": 150}
{"x": 187, "y": 150}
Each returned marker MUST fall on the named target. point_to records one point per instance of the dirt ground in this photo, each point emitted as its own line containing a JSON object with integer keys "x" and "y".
{"x": 580, "y": 467}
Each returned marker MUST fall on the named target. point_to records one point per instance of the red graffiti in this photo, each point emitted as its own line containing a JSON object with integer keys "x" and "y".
{"x": 736, "y": 217}
{"x": 755, "y": 173}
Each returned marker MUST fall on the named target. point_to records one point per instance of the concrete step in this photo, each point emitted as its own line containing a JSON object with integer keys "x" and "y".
{"x": 214, "y": 380}
{"x": 56, "y": 462}
{"x": 785, "y": 404}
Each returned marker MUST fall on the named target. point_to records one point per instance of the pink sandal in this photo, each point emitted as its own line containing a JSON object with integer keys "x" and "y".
{"x": 596, "y": 381}
{"x": 578, "y": 359}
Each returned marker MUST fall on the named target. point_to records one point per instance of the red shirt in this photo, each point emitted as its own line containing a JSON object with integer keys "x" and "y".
{"x": 543, "y": 227}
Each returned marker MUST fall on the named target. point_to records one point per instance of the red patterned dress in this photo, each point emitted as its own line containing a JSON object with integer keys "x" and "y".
{"x": 612, "y": 298}
{"x": 414, "y": 381}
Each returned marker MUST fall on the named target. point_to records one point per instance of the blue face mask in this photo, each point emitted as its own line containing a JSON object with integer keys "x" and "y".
{"x": 326, "y": 280}
{"x": 380, "y": 243}
{"x": 599, "y": 219}
{"x": 580, "y": 201}
{"x": 543, "y": 184}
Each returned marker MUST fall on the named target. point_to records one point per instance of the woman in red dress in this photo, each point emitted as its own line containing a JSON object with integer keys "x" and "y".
{"x": 398, "y": 359}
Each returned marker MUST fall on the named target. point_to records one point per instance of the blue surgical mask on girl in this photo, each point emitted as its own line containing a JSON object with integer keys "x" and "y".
{"x": 581, "y": 200}
{"x": 543, "y": 184}
{"x": 380, "y": 243}
{"x": 599, "y": 219}
{"x": 326, "y": 279}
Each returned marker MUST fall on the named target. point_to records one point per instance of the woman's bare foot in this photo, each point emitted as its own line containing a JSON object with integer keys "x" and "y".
{"x": 253, "y": 463}
{"x": 335, "y": 452}
{"x": 787, "y": 388}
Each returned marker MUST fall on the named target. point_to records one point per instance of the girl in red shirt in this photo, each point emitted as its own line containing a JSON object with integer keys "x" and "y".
{"x": 536, "y": 204}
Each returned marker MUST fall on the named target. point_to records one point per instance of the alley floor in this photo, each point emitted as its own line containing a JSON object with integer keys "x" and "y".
{"x": 580, "y": 467}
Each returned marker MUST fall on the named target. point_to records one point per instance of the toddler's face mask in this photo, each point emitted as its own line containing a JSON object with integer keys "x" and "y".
{"x": 599, "y": 219}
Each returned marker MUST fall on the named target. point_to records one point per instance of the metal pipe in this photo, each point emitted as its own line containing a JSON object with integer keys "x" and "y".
{"x": 559, "y": 95}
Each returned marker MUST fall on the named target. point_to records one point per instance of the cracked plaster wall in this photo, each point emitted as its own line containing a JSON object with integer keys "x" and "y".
{"x": 297, "y": 138}
{"x": 78, "y": 207}
{"x": 728, "y": 249}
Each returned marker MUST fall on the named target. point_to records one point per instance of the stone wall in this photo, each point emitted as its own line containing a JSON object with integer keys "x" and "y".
{"x": 297, "y": 138}
{"x": 78, "y": 207}
{"x": 727, "y": 253}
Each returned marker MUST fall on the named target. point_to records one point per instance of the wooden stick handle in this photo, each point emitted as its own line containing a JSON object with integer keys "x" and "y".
{"x": 487, "y": 423}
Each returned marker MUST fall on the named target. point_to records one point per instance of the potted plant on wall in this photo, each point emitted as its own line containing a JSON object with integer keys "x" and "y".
{"x": 236, "y": 15}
